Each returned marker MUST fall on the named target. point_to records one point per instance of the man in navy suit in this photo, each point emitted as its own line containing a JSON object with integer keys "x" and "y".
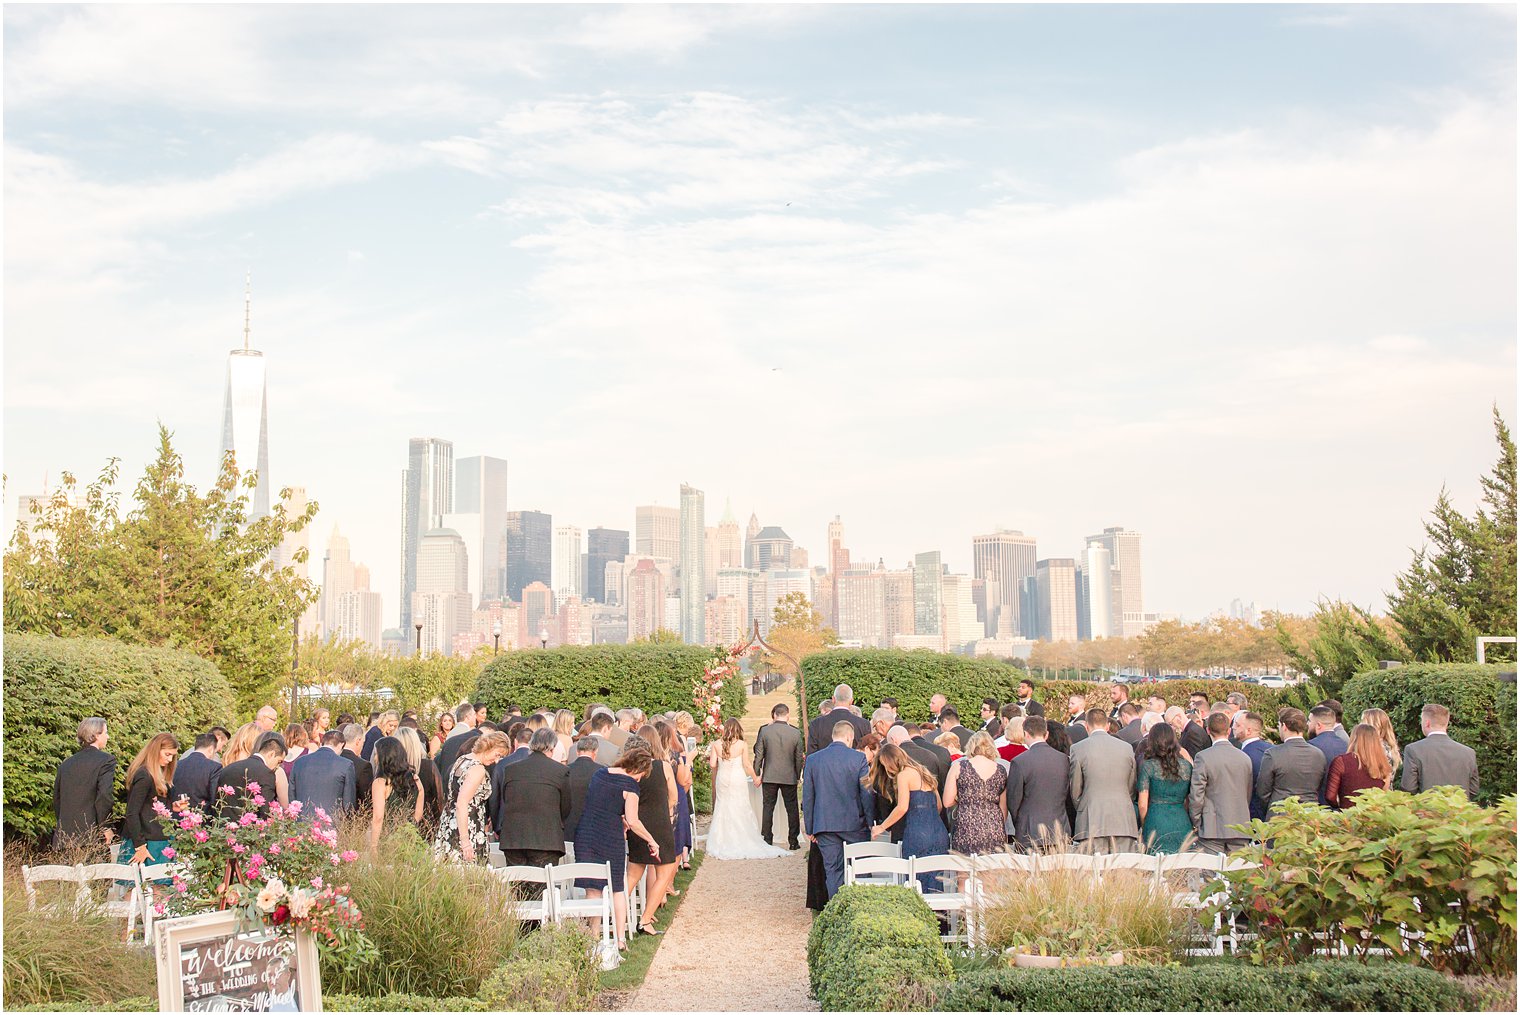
{"x": 836, "y": 805}
{"x": 325, "y": 778}
{"x": 1323, "y": 722}
{"x": 1248, "y": 727}
{"x": 196, "y": 773}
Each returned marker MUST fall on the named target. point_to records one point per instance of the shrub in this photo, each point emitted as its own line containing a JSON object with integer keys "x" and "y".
{"x": 71, "y": 959}
{"x": 395, "y": 1002}
{"x": 1083, "y": 914}
{"x": 1432, "y": 864}
{"x": 1053, "y": 693}
{"x": 1482, "y": 711}
{"x": 53, "y": 683}
{"x": 871, "y": 947}
{"x": 553, "y": 969}
{"x": 656, "y": 678}
{"x": 1313, "y": 986}
{"x": 412, "y": 903}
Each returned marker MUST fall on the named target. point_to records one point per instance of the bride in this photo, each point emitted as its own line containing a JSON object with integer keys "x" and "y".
{"x": 735, "y": 830}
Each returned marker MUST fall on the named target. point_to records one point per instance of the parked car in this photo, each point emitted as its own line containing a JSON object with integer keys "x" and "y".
{"x": 1273, "y": 682}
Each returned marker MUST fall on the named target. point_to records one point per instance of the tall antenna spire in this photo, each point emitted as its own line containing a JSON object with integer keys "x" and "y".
{"x": 247, "y": 305}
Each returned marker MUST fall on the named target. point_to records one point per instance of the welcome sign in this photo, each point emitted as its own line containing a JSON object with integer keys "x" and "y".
{"x": 207, "y": 963}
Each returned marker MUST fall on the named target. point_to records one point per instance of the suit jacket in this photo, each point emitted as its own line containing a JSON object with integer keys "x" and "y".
{"x": 778, "y": 754}
{"x": 834, "y": 797}
{"x": 372, "y": 736}
{"x": 83, "y": 794}
{"x": 1101, "y": 779}
{"x": 1221, "y": 794}
{"x": 1032, "y": 707}
{"x": 451, "y": 751}
{"x": 1256, "y": 750}
{"x": 618, "y": 736}
{"x": 939, "y": 762}
{"x": 364, "y": 778}
{"x": 580, "y": 772}
{"x": 607, "y": 752}
{"x": 821, "y": 730}
{"x": 1293, "y": 768}
{"x": 962, "y": 734}
{"x": 193, "y": 778}
{"x": 1195, "y": 739}
{"x": 1333, "y": 747}
{"x": 1129, "y": 733}
{"x": 1077, "y": 731}
{"x": 530, "y": 800}
{"x": 1438, "y": 760}
{"x": 250, "y": 774}
{"x": 1037, "y": 783}
{"x": 141, "y": 823}
{"x": 324, "y": 779}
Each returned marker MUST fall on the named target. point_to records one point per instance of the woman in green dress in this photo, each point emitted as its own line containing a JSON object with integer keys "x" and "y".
{"x": 1165, "y": 779}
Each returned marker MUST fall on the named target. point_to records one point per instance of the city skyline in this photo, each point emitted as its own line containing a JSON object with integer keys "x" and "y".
{"x": 1239, "y": 278}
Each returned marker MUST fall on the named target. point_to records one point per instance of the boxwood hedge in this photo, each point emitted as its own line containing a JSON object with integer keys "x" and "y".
{"x": 656, "y": 678}
{"x": 1482, "y": 711}
{"x": 872, "y": 947}
{"x": 52, "y": 683}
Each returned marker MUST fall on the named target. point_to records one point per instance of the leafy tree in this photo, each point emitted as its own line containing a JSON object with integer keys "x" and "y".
{"x": 1462, "y": 584}
{"x": 1343, "y": 640}
{"x": 183, "y": 569}
{"x": 659, "y": 636}
{"x": 796, "y": 629}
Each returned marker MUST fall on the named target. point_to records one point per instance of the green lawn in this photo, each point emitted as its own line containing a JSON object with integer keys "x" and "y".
{"x": 641, "y": 948}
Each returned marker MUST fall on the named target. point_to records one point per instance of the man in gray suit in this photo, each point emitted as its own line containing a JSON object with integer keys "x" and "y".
{"x": 607, "y": 752}
{"x": 778, "y": 769}
{"x": 1438, "y": 760}
{"x": 1102, "y": 773}
{"x": 1221, "y": 796}
{"x": 1294, "y": 768}
{"x": 1037, "y": 781}
{"x": 325, "y": 779}
{"x": 1129, "y": 731}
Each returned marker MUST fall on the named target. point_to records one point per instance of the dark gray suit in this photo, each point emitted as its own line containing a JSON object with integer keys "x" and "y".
{"x": 1037, "y": 782}
{"x": 1293, "y": 768}
{"x": 1438, "y": 760}
{"x": 83, "y": 794}
{"x": 1129, "y": 732}
{"x": 325, "y": 779}
{"x": 1221, "y": 796}
{"x": 530, "y": 800}
{"x": 1102, "y": 776}
{"x": 778, "y": 762}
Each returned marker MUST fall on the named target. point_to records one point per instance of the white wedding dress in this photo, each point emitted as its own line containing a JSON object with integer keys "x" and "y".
{"x": 735, "y": 830}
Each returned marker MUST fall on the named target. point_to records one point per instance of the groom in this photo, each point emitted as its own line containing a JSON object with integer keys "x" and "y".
{"x": 836, "y": 804}
{"x": 778, "y": 766}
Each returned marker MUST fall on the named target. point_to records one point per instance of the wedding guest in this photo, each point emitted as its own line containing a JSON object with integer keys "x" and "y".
{"x": 148, "y": 780}
{"x": 459, "y": 739}
{"x": 481, "y": 716}
{"x": 84, "y": 788}
{"x": 364, "y": 772}
{"x": 989, "y": 711}
{"x": 1057, "y": 735}
{"x": 446, "y": 723}
{"x": 396, "y": 793}
{"x": 821, "y": 730}
{"x": 427, "y": 774}
{"x": 222, "y": 735}
{"x": 580, "y": 772}
{"x": 295, "y": 745}
{"x": 266, "y": 719}
{"x": 1163, "y": 784}
{"x": 529, "y": 804}
{"x": 977, "y": 789}
{"x": 1026, "y": 700}
{"x": 657, "y": 807}
{"x": 384, "y": 725}
{"x": 1438, "y": 760}
{"x": 1076, "y": 710}
{"x": 564, "y": 729}
{"x": 950, "y": 722}
{"x": 612, "y": 805}
{"x": 1293, "y": 768}
{"x": 324, "y": 778}
{"x": 1118, "y": 694}
{"x": 869, "y": 745}
{"x": 258, "y": 774}
{"x": 622, "y": 728}
{"x": 1364, "y": 765}
{"x": 607, "y": 752}
{"x": 1379, "y": 720}
{"x": 1011, "y": 744}
{"x": 461, "y": 834}
{"x": 1220, "y": 796}
{"x": 1035, "y": 793}
{"x": 836, "y": 801}
{"x": 242, "y": 743}
{"x": 1322, "y": 734}
{"x": 951, "y": 745}
{"x": 1248, "y": 727}
{"x": 1128, "y": 716}
{"x": 1101, "y": 775}
{"x": 923, "y": 739}
{"x": 681, "y": 767}
{"x": 918, "y": 806}
{"x": 196, "y": 772}
{"x": 1194, "y": 738}
{"x": 321, "y": 722}
{"x": 521, "y": 736}
{"x": 1338, "y": 711}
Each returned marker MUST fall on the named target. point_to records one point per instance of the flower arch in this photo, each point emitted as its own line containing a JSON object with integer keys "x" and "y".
{"x": 707, "y": 691}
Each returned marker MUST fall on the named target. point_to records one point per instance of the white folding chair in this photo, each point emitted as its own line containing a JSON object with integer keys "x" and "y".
{"x": 540, "y": 910}
{"x": 1021, "y": 863}
{"x": 1145, "y": 863}
{"x": 124, "y": 901}
{"x": 56, "y": 873}
{"x": 152, "y": 893}
{"x": 955, "y": 901}
{"x": 569, "y": 856}
{"x": 878, "y": 870}
{"x": 1230, "y": 916}
{"x": 1088, "y": 862}
{"x": 494, "y": 856}
{"x": 635, "y": 901}
{"x": 871, "y": 847}
{"x": 571, "y": 903}
{"x": 1201, "y": 865}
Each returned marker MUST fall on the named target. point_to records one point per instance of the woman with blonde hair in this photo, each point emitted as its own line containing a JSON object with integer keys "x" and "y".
{"x": 149, "y": 779}
{"x": 1379, "y": 721}
{"x": 564, "y": 729}
{"x": 1365, "y": 765}
{"x": 427, "y": 774}
{"x": 240, "y": 745}
{"x": 462, "y": 831}
{"x": 976, "y": 785}
{"x": 950, "y": 742}
{"x": 917, "y": 800}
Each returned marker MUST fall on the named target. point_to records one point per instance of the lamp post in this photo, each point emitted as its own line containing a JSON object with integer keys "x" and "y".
{"x": 543, "y": 637}
{"x": 419, "y": 639}
{"x": 496, "y": 633}
{"x": 295, "y": 658}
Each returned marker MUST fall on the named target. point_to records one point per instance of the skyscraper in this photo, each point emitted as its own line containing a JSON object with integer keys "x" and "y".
{"x": 693, "y": 548}
{"x": 1056, "y": 589}
{"x": 838, "y": 563}
{"x": 245, "y": 413}
{"x": 770, "y": 550}
{"x": 427, "y": 493}
{"x": 480, "y": 488}
{"x": 567, "y": 563}
{"x": 1008, "y": 556}
{"x": 656, "y": 531}
{"x": 337, "y": 579}
{"x": 530, "y": 543}
{"x": 750, "y": 532}
{"x": 927, "y": 593}
{"x": 1097, "y": 592}
{"x": 603, "y": 546}
{"x": 441, "y": 601}
{"x": 646, "y": 600}
{"x": 1124, "y": 551}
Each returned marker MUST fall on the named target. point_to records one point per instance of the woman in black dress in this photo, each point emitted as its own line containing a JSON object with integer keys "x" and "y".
{"x": 612, "y": 800}
{"x": 657, "y": 812}
{"x": 396, "y": 789}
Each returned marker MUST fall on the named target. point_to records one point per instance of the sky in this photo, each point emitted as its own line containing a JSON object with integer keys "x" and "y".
{"x": 1240, "y": 278}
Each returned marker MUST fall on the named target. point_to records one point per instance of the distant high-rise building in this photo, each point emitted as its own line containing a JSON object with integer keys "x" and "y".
{"x": 838, "y": 563}
{"x": 657, "y": 531}
{"x": 536, "y": 620}
{"x": 961, "y": 628}
{"x": 294, "y": 552}
{"x": 530, "y": 547}
{"x": 337, "y": 579}
{"x": 862, "y": 595}
{"x": 1097, "y": 592}
{"x": 770, "y": 550}
{"x": 646, "y": 600}
{"x": 730, "y": 543}
{"x": 693, "y": 550}
{"x": 614, "y": 581}
{"x": 427, "y": 494}
{"x": 1124, "y": 551}
{"x": 480, "y": 488}
{"x": 468, "y": 525}
{"x": 356, "y": 617}
{"x": 737, "y": 583}
{"x": 245, "y": 414}
{"x": 897, "y": 601}
{"x": 1247, "y": 612}
{"x": 779, "y": 585}
{"x": 928, "y": 571}
{"x": 602, "y": 547}
{"x": 567, "y": 563}
{"x": 1007, "y": 556}
{"x": 442, "y": 598}
{"x": 1056, "y": 588}
{"x": 1029, "y": 609}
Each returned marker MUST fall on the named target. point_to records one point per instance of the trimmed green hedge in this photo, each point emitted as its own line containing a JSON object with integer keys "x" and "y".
{"x": 656, "y": 678}
{"x": 913, "y": 676}
{"x": 870, "y": 945}
{"x": 1482, "y": 711}
{"x": 552, "y": 969}
{"x": 52, "y": 683}
{"x": 1215, "y": 986}
{"x": 395, "y": 1002}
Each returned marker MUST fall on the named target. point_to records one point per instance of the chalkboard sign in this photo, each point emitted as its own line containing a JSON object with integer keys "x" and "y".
{"x": 212, "y": 963}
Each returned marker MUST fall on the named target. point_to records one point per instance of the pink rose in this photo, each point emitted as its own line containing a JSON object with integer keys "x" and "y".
{"x": 185, "y": 824}
{"x": 349, "y": 856}
{"x": 321, "y": 814}
{"x": 158, "y": 909}
{"x": 248, "y": 818}
{"x": 160, "y": 809}
{"x": 239, "y": 848}
{"x": 170, "y": 853}
{"x": 316, "y": 882}
{"x": 256, "y": 858}
{"x": 258, "y": 800}
{"x": 201, "y": 836}
{"x": 274, "y": 849}
{"x": 295, "y": 808}
{"x": 226, "y": 790}
{"x": 336, "y": 859}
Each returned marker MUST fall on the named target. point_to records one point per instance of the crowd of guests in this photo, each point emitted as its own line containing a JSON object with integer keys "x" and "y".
{"x": 615, "y": 784}
{"x": 1137, "y": 776}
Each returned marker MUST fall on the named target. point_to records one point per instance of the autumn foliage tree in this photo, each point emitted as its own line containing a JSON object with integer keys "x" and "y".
{"x": 796, "y": 629}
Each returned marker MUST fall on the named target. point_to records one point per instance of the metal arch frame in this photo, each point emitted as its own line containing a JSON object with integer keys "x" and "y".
{"x": 756, "y": 641}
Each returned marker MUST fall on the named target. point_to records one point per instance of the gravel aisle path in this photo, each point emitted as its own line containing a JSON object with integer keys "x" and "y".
{"x": 738, "y": 944}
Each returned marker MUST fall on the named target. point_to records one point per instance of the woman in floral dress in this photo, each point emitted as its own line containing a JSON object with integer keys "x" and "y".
{"x": 469, "y": 790}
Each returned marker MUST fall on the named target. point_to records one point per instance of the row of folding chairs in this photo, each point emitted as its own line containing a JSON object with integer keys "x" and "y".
{"x": 560, "y": 899}
{"x": 498, "y": 860}
{"x": 129, "y": 889}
